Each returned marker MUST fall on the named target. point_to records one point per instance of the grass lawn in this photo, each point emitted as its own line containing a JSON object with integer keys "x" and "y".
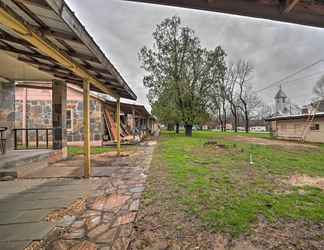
{"x": 227, "y": 194}
{"x": 73, "y": 151}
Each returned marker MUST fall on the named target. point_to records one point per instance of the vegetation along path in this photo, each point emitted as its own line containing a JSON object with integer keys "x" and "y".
{"x": 217, "y": 191}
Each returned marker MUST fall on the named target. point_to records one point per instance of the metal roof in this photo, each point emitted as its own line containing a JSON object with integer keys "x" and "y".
{"x": 128, "y": 108}
{"x": 305, "y": 12}
{"x": 55, "y": 22}
{"x": 294, "y": 117}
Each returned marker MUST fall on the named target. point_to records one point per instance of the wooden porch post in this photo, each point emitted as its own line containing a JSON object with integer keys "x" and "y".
{"x": 118, "y": 125}
{"x": 86, "y": 128}
{"x": 133, "y": 123}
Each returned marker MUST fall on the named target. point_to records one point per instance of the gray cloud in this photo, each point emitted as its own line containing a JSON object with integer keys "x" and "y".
{"x": 275, "y": 49}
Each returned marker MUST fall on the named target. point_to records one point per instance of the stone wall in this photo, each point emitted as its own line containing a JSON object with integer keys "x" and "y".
{"x": 7, "y": 110}
{"x": 96, "y": 121}
{"x": 39, "y": 115}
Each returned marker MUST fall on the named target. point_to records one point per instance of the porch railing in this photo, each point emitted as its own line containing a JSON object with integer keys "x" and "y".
{"x": 32, "y": 138}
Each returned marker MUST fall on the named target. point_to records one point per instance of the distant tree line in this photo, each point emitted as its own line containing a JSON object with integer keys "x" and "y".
{"x": 189, "y": 84}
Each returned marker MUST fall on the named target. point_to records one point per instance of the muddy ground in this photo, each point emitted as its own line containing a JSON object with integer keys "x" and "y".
{"x": 269, "y": 142}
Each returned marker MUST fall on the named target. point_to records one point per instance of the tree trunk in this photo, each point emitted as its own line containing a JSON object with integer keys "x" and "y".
{"x": 234, "y": 114}
{"x": 220, "y": 119}
{"x": 188, "y": 130}
{"x": 235, "y": 123}
{"x": 170, "y": 127}
{"x": 247, "y": 125}
{"x": 177, "y": 128}
{"x": 225, "y": 119}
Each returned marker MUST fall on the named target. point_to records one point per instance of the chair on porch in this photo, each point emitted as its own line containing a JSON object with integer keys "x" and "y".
{"x": 3, "y": 139}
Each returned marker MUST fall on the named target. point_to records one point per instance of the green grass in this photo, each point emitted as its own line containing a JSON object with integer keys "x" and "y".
{"x": 226, "y": 194}
{"x": 73, "y": 151}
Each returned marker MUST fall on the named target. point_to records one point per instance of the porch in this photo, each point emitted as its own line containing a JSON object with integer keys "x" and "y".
{"x": 44, "y": 43}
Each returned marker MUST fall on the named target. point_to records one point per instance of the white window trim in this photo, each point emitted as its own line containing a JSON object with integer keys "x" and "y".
{"x": 72, "y": 115}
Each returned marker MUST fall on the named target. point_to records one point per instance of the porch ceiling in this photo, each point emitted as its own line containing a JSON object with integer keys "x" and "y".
{"x": 13, "y": 69}
{"x": 305, "y": 12}
{"x": 55, "y": 23}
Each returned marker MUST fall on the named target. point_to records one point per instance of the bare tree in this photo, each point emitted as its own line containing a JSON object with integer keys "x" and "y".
{"x": 218, "y": 104}
{"x": 248, "y": 99}
{"x": 318, "y": 89}
{"x": 229, "y": 88}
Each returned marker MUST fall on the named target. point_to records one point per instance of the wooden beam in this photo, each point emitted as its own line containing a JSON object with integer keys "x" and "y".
{"x": 20, "y": 85}
{"x": 86, "y": 129}
{"x": 55, "y": 65}
{"x": 7, "y": 37}
{"x": 290, "y": 4}
{"x": 118, "y": 125}
{"x": 38, "y": 3}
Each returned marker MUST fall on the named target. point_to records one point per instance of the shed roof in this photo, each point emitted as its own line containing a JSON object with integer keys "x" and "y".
{"x": 294, "y": 117}
{"x": 55, "y": 22}
{"x": 305, "y": 12}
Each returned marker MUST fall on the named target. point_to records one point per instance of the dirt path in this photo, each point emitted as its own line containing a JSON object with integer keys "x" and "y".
{"x": 268, "y": 142}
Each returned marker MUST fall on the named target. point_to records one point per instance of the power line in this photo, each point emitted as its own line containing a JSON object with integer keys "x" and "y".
{"x": 290, "y": 75}
{"x": 304, "y": 77}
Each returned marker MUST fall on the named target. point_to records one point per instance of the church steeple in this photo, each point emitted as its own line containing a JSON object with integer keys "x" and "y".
{"x": 281, "y": 101}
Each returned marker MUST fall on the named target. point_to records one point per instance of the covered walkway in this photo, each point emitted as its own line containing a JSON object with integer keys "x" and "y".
{"x": 43, "y": 41}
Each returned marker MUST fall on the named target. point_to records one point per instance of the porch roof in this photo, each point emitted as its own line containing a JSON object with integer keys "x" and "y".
{"x": 54, "y": 24}
{"x": 305, "y": 12}
{"x": 128, "y": 108}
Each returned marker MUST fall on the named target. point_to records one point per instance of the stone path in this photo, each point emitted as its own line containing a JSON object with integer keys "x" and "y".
{"x": 106, "y": 221}
{"x": 25, "y": 204}
{"x": 43, "y": 210}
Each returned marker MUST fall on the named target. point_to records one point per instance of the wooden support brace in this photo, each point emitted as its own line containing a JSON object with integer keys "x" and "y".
{"x": 118, "y": 125}
{"x": 86, "y": 129}
{"x": 290, "y": 4}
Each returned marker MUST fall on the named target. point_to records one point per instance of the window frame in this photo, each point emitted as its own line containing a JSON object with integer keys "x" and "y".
{"x": 71, "y": 119}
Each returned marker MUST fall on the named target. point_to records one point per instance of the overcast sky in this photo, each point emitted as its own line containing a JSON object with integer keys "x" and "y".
{"x": 274, "y": 49}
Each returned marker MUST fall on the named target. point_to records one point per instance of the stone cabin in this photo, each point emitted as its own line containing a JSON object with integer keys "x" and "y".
{"x": 33, "y": 109}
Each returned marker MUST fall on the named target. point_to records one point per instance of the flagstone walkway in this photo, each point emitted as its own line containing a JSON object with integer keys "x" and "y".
{"x": 101, "y": 216}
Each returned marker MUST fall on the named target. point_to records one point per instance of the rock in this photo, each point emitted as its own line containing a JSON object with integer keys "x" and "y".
{"x": 85, "y": 245}
{"x": 74, "y": 234}
{"x": 135, "y": 205}
{"x": 92, "y": 222}
{"x": 59, "y": 245}
{"x": 161, "y": 245}
{"x": 110, "y": 202}
{"x": 125, "y": 219}
{"x": 102, "y": 234}
{"x": 137, "y": 189}
{"x": 66, "y": 221}
{"x": 97, "y": 231}
{"x": 78, "y": 224}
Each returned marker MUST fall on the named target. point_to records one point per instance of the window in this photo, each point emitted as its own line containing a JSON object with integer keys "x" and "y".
{"x": 315, "y": 127}
{"x": 69, "y": 119}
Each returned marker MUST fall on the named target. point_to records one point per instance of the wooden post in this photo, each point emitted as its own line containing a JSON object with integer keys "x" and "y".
{"x": 133, "y": 123}
{"x": 118, "y": 125}
{"x": 86, "y": 128}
